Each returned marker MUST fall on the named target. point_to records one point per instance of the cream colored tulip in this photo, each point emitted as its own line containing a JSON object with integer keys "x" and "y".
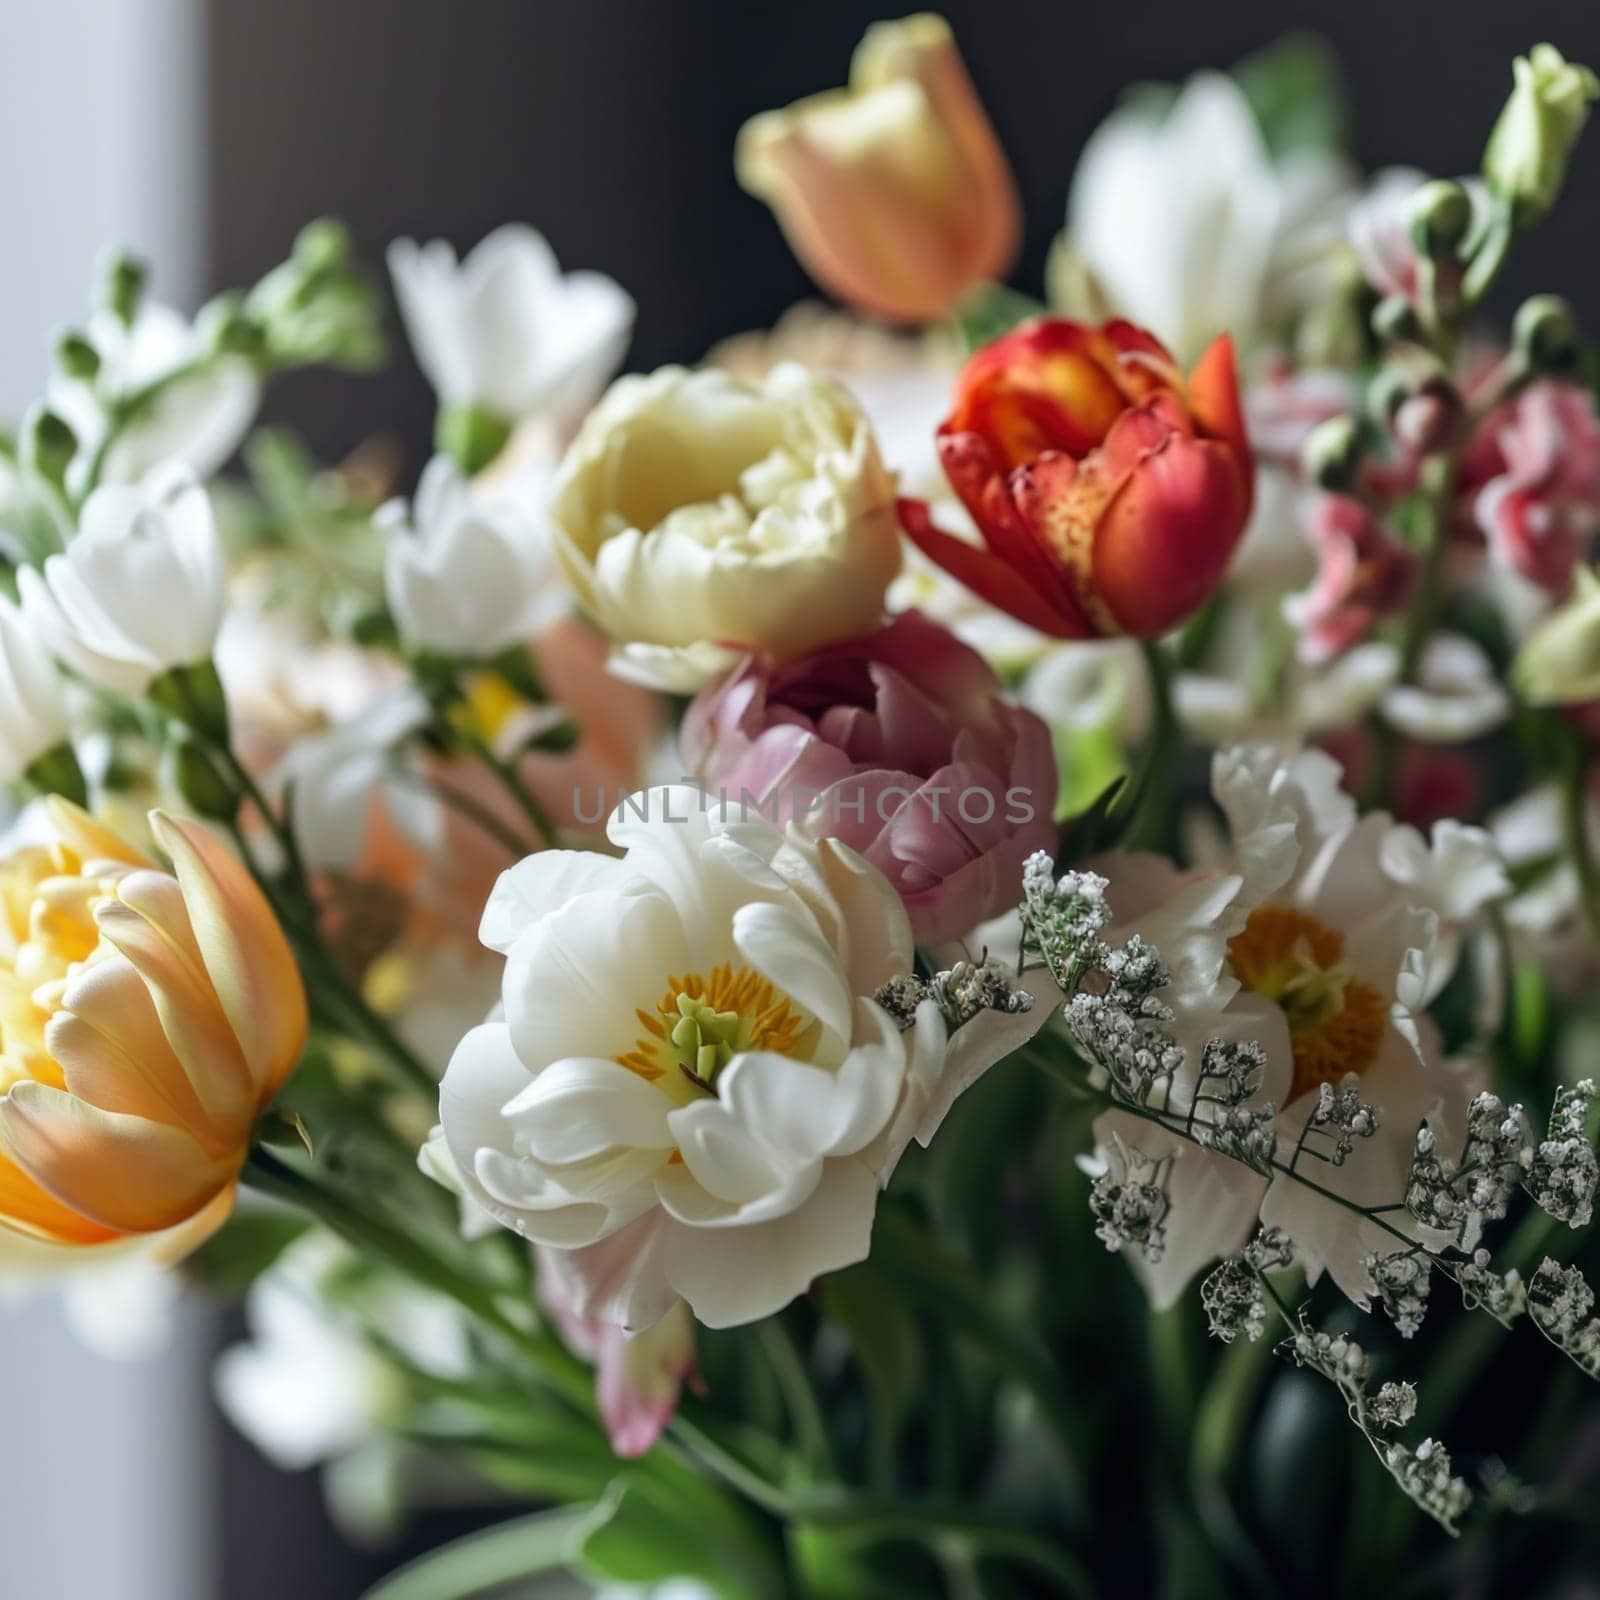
{"x": 894, "y": 192}
{"x": 147, "y": 1018}
{"x": 700, "y": 519}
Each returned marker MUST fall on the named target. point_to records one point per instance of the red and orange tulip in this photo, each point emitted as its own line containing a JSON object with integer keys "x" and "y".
{"x": 146, "y": 1019}
{"x": 1109, "y": 489}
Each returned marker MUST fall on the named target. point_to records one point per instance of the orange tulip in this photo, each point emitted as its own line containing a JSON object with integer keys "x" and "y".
{"x": 894, "y": 193}
{"x": 146, "y": 1020}
{"x": 1110, "y": 491}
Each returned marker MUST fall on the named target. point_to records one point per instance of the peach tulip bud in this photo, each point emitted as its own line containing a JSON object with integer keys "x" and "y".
{"x": 1109, "y": 489}
{"x": 894, "y": 192}
{"x": 147, "y": 1017}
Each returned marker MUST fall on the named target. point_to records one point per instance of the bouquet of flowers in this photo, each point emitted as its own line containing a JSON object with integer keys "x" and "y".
{"x": 950, "y": 954}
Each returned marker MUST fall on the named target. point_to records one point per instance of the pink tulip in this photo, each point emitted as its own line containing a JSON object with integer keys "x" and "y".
{"x": 901, "y": 745}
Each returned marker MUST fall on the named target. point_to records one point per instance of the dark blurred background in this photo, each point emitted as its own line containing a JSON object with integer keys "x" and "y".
{"x": 609, "y": 125}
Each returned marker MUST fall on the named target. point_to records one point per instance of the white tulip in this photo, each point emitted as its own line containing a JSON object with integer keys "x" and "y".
{"x": 505, "y": 331}
{"x": 693, "y": 1092}
{"x": 140, "y": 589}
{"x": 466, "y": 578}
{"x": 1181, "y": 222}
{"x": 699, "y": 519}
{"x": 33, "y": 713}
{"x": 197, "y": 421}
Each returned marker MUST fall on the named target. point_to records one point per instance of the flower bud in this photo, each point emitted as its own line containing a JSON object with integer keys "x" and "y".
{"x": 1525, "y": 161}
{"x": 1332, "y": 453}
{"x": 57, "y": 772}
{"x": 48, "y": 444}
{"x": 121, "y": 287}
{"x": 470, "y": 436}
{"x": 1545, "y": 334}
{"x": 1559, "y": 662}
{"x": 77, "y": 358}
{"x": 1395, "y": 320}
{"x": 1441, "y": 216}
{"x": 323, "y": 245}
{"x": 894, "y": 192}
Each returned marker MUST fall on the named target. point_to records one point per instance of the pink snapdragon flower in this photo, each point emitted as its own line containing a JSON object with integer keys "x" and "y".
{"x": 1539, "y": 507}
{"x": 902, "y": 745}
{"x": 1363, "y": 575}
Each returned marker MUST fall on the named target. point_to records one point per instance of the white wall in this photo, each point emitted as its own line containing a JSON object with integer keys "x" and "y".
{"x": 105, "y": 1482}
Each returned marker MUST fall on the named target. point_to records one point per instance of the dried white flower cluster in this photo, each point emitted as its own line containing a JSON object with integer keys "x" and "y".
{"x": 1062, "y": 918}
{"x": 1423, "y": 1473}
{"x": 961, "y": 992}
{"x": 1233, "y": 1295}
{"x": 1502, "y": 1294}
{"x": 1560, "y": 1303}
{"x": 1457, "y": 1198}
{"x": 1564, "y": 1171}
{"x": 1402, "y": 1279}
{"x": 1221, "y": 1116}
{"x": 1341, "y": 1115}
{"x": 1130, "y": 1201}
{"x": 1499, "y": 1157}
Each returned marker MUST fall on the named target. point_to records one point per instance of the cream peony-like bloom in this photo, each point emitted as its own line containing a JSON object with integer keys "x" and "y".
{"x": 505, "y": 331}
{"x": 1181, "y": 222}
{"x": 693, "y": 1093}
{"x": 700, "y": 519}
{"x": 467, "y": 576}
{"x": 1321, "y": 940}
{"x": 140, "y": 589}
{"x": 33, "y": 711}
{"x": 149, "y": 1017}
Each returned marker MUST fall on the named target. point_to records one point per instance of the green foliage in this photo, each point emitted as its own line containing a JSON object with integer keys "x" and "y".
{"x": 1294, "y": 89}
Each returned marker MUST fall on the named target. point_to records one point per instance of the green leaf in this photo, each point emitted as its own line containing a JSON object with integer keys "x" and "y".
{"x": 990, "y": 311}
{"x": 242, "y": 1249}
{"x": 645, "y": 1532}
{"x": 1294, "y": 89}
{"x": 888, "y": 1347}
{"x": 483, "y": 1561}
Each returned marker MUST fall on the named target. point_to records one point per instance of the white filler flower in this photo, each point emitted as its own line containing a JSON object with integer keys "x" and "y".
{"x": 467, "y": 576}
{"x": 139, "y": 590}
{"x": 505, "y": 331}
{"x": 33, "y": 712}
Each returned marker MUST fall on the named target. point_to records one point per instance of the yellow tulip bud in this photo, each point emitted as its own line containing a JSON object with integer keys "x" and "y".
{"x": 147, "y": 1018}
{"x": 894, "y": 192}
{"x": 1559, "y": 663}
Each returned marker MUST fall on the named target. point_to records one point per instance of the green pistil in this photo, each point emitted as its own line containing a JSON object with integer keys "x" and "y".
{"x": 706, "y": 1040}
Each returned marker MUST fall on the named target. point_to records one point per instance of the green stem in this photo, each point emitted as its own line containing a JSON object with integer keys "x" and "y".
{"x": 789, "y": 1367}
{"x": 1575, "y": 830}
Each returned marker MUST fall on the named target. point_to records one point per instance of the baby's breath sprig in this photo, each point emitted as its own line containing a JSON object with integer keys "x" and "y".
{"x": 1560, "y": 1302}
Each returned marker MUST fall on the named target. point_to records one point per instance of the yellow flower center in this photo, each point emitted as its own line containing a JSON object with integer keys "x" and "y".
{"x": 700, "y": 1024}
{"x": 47, "y": 932}
{"x": 1336, "y": 1021}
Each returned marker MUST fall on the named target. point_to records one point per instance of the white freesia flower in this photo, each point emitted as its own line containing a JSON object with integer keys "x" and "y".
{"x": 308, "y": 1386}
{"x": 141, "y": 589}
{"x": 1318, "y": 941}
{"x": 699, "y": 519}
{"x": 334, "y": 778}
{"x": 199, "y": 418}
{"x": 505, "y": 330}
{"x": 1457, "y": 695}
{"x": 692, "y": 1091}
{"x": 465, "y": 577}
{"x": 1181, "y": 222}
{"x": 33, "y": 712}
